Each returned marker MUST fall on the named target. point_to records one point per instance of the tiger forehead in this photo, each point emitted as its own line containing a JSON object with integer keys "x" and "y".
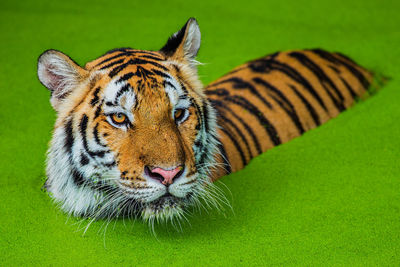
{"x": 140, "y": 68}
{"x": 125, "y": 57}
{"x": 141, "y": 75}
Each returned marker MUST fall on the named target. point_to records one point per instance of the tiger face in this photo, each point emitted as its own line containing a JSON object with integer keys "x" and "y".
{"x": 135, "y": 133}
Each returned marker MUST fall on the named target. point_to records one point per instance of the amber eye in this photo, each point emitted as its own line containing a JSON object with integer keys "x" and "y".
{"x": 118, "y": 118}
{"x": 179, "y": 114}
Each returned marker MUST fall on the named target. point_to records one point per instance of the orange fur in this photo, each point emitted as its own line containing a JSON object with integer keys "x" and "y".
{"x": 270, "y": 70}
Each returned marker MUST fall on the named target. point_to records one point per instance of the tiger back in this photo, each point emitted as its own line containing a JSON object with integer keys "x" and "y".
{"x": 271, "y": 100}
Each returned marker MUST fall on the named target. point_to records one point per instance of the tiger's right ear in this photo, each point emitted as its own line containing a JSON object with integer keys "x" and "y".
{"x": 60, "y": 74}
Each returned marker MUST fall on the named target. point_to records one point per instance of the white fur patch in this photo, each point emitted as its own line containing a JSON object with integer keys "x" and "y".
{"x": 122, "y": 103}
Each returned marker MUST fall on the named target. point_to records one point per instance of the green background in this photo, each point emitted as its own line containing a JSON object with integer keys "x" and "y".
{"x": 330, "y": 197}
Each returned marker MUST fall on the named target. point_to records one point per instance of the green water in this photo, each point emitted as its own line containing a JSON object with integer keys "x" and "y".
{"x": 330, "y": 197}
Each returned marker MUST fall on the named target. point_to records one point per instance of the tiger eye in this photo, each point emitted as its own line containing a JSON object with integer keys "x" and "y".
{"x": 178, "y": 114}
{"x": 119, "y": 118}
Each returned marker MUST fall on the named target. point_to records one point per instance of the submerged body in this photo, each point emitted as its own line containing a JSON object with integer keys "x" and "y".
{"x": 271, "y": 100}
{"x": 138, "y": 135}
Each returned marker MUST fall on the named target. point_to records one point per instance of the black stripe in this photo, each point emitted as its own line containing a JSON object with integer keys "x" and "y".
{"x": 127, "y": 52}
{"x": 198, "y": 143}
{"x": 110, "y": 104}
{"x": 218, "y": 105}
{"x": 160, "y": 73}
{"x": 122, "y": 90}
{"x": 309, "y": 107}
{"x": 95, "y": 99}
{"x": 218, "y": 92}
{"x": 112, "y": 64}
{"x": 69, "y": 137}
{"x": 225, "y": 159}
{"x": 270, "y": 56}
{"x": 79, "y": 181}
{"x": 334, "y": 69}
{"x": 236, "y": 144}
{"x": 82, "y": 129}
{"x": 116, "y": 70}
{"x": 121, "y": 49}
{"x": 84, "y": 160}
{"x": 114, "y": 57}
{"x": 126, "y": 77}
{"x": 349, "y": 88}
{"x": 202, "y": 116}
{"x": 77, "y": 177}
{"x": 262, "y": 120}
{"x": 206, "y": 116}
{"x": 96, "y": 136}
{"x": 283, "y": 102}
{"x": 152, "y": 57}
{"x": 230, "y": 123}
{"x": 183, "y": 87}
{"x": 356, "y": 73}
{"x": 98, "y": 110}
{"x": 140, "y": 53}
{"x": 238, "y": 83}
{"x": 267, "y": 65}
{"x": 204, "y": 155}
{"x": 110, "y": 165}
{"x": 177, "y": 69}
{"x": 140, "y": 72}
{"x": 168, "y": 83}
{"x": 204, "y": 119}
{"x": 199, "y": 115}
{"x": 144, "y": 73}
{"x": 197, "y": 127}
{"x": 135, "y": 61}
{"x": 322, "y": 77}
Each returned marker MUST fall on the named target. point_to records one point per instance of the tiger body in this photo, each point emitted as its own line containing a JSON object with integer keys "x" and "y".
{"x": 137, "y": 134}
{"x": 271, "y": 100}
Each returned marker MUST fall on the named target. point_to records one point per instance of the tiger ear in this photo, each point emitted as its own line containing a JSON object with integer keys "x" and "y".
{"x": 60, "y": 74}
{"x": 184, "y": 44}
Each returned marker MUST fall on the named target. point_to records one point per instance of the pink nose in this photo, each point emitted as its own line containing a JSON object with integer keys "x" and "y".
{"x": 167, "y": 175}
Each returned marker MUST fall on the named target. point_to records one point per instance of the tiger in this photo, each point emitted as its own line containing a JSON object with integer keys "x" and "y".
{"x": 137, "y": 134}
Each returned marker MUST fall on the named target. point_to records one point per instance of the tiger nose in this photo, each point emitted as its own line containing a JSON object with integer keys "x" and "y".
{"x": 165, "y": 176}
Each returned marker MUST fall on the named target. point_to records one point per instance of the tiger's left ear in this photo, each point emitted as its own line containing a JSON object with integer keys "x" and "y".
{"x": 184, "y": 44}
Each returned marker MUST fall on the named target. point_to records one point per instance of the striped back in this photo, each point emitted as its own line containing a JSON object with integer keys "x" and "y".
{"x": 271, "y": 100}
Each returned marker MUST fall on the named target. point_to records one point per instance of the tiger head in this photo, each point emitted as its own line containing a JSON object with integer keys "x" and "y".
{"x": 135, "y": 133}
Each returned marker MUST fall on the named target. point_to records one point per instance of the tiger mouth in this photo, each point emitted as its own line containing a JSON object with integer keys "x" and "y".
{"x": 164, "y": 201}
{"x": 164, "y": 208}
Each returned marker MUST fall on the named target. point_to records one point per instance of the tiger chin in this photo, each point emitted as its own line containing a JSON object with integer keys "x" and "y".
{"x": 135, "y": 134}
